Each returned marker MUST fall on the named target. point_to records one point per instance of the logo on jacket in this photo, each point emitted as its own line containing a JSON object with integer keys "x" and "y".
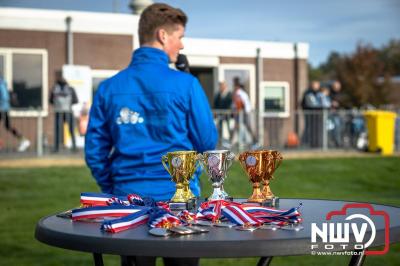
{"x": 127, "y": 116}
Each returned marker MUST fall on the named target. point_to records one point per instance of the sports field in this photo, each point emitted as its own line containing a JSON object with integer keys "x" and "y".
{"x": 27, "y": 194}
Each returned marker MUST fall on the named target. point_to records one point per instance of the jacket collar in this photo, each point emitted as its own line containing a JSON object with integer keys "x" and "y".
{"x": 149, "y": 55}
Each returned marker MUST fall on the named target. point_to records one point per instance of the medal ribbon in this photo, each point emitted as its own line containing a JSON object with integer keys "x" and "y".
{"x": 186, "y": 216}
{"x": 89, "y": 199}
{"x": 135, "y": 210}
{"x": 104, "y": 211}
{"x": 130, "y": 221}
{"x": 159, "y": 217}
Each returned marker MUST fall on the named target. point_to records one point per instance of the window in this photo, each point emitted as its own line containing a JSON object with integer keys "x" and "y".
{"x": 246, "y": 74}
{"x": 274, "y": 100}
{"x": 25, "y": 71}
{"x": 27, "y": 80}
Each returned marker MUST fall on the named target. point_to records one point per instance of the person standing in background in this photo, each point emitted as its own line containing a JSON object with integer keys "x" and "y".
{"x": 4, "y": 115}
{"x": 337, "y": 104}
{"x": 313, "y": 125}
{"x": 223, "y": 104}
{"x": 62, "y": 98}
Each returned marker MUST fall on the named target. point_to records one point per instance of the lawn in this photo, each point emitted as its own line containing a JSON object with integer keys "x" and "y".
{"x": 27, "y": 194}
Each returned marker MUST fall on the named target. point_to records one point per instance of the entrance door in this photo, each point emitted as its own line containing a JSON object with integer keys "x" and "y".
{"x": 207, "y": 80}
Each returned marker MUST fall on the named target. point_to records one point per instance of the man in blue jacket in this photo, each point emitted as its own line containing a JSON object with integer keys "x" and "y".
{"x": 147, "y": 110}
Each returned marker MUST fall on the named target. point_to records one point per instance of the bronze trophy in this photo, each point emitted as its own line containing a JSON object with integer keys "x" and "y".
{"x": 276, "y": 162}
{"x": 259, "y": 166}
{"x": 181, "y": 166}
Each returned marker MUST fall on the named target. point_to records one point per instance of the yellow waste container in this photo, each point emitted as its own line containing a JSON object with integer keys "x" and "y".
{"x": 380, "y": 126}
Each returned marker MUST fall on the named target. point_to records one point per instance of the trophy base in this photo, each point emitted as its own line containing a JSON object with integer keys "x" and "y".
{"x": 273, "y": 202}
{"x": 226, "y": 198}
{"x": 180, "y": 206}
{"x": 229, "y": 198}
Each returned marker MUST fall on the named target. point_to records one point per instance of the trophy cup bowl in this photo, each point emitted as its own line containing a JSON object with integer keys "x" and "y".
{"x": 181, "y": 165}
{"x": 276, "y": 162}
{"x": 216, "y": 164}
{"x": 255, "y": 164}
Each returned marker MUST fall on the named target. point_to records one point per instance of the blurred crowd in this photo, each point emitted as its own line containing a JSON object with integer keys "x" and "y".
{"x": 323, "y": 109}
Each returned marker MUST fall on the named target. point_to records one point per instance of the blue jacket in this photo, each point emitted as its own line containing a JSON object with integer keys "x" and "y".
{"x": 140, "y": 114}
{"x": 4, "y": 97}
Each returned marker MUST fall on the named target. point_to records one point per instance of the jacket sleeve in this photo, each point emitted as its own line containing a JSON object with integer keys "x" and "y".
{"x": 75, "y": 99}
{"x": 98, "y": 143}
{"x": 202, "y": 130}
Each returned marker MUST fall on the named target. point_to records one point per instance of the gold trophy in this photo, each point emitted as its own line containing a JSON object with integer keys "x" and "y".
{"x": 181, "y": 167}
{"x": 272, "y": 166}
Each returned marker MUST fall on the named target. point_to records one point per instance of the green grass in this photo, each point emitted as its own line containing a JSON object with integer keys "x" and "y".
{"x": 29, "y": 194}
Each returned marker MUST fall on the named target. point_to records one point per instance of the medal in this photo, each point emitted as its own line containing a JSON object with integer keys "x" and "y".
{"x": 269, "y": 227}
{"x": 159, "y": 232}
{"x": 66, "y": 214}
{"x": 292, "y": 227}
{"x": 181, "y": 230}
{"x": 224, "y": 224}
{"x": 199, "y": 229}
{"x": 246, "y": 228}
{"x": 203, "y": 223}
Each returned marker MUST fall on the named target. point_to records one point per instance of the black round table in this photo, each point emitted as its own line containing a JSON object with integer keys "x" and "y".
{"x": 218, "y": 243}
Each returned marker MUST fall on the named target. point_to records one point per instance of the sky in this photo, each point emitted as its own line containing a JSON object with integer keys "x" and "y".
{"x": 325, "y": 25}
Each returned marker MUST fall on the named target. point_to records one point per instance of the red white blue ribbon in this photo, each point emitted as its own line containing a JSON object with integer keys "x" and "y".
{"x": 134, "y": 210}
{"x": 159, "y": 217}
{"x": 135, "y": 199}
{"x": 271, "y": 215}
{"x": 117, "y": 201}
{"x": 127, "y": 222}
{"x": 97, "y": 199}
{"x": 104, "y": 211}
{"x": 186, "y": 216}
{"x": 236, "y": 214}
{"x": 246, "y": 214}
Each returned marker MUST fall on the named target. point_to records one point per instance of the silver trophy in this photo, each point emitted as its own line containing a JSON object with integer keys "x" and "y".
{"x": 215, "y": 164}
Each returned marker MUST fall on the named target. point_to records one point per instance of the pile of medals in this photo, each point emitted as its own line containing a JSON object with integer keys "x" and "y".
{"x": 117, "y": 214}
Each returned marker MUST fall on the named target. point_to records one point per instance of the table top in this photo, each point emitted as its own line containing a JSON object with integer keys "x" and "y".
{"x": 218, "y": 243}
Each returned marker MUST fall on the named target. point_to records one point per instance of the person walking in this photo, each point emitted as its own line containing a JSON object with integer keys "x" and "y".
{"x": 24, "y": 143}
{"x": 242, "y": 108}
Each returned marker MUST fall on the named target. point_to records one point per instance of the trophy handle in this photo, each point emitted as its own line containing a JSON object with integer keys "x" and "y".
{"x": 230, "y": 158}
{"x": 197, "y": 164}
{"x": 200, "y": 157}
{"x": 164, "y": 159}
{"x": 241, "y": 160}
{"x": 279, "y": 160}
{"x": 200, "y": 161}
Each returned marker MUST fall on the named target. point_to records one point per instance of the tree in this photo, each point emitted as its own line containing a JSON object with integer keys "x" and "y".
{"x": 365, "y": 74}
{"x": 361, "y": 74}
{"x": 390, "y": 54}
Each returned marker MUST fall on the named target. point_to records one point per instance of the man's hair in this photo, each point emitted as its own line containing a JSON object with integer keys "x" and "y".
{"x": 158, "y": 16}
